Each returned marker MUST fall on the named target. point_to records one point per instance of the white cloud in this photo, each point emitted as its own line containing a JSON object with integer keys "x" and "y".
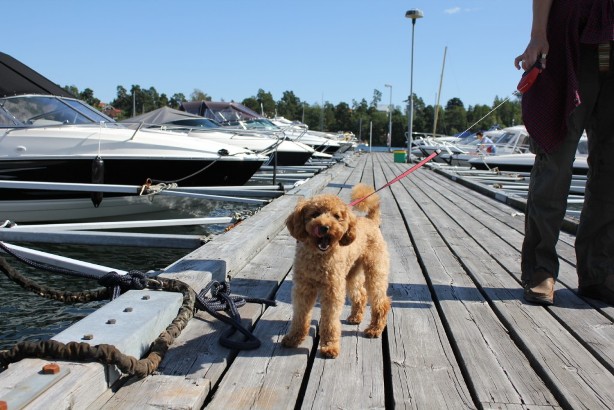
{"x": 453, "y": 10}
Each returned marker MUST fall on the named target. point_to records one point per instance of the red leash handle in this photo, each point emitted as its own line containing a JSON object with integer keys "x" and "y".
{"x": 403, "y": 175}
{"x": 529, "y": 77}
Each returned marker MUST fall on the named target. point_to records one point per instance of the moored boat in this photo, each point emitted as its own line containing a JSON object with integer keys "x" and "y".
{"x": 523, "y": 162}
{"x": 48, "y": 138}
{"x": 282, "y": 151}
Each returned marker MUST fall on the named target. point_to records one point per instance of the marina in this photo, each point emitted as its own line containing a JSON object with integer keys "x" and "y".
{"x": 459, "y": 334}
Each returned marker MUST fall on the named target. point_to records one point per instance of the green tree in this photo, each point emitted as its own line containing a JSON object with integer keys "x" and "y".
{"x": 290, "y": 106}
{"x": 455, "y": 117}
{"x": 72, "y": 89}
{"x": 176, "y": 100}
{"x": 199, "y": 95}
{"x": 163, "y": 101}
{"x": 328, "y": 122}
{"x": 266, "y": 103}
{"x": 312, "y": 116}
{"x": 478, "y": 118}
{"x": 123, "y": 102}
{"x": 251, "y": 103}
{"x": 377, "y": 98}
{"x": 422, "y": 121}
{"x": 343, "y": 117}
{"x": 356, "y": 117}
{"x": 509, "y": 112}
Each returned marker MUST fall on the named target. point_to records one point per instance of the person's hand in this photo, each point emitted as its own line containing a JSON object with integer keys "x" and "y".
{"x": 537, "y": 49}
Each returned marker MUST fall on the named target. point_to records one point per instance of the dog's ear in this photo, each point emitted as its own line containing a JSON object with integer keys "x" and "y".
{"x": 296, "y": 223}
{"x": 350, "y": 234}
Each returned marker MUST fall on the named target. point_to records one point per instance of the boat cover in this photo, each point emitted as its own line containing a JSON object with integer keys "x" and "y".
{"x": 16, "y": 78}
{"x": 220, "y": 111}
{"x": 161, "y": 116}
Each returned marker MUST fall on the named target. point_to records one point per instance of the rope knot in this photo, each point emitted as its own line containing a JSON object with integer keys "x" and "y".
{"x": 221, "y": 300}
{"x": 133, "y": 280}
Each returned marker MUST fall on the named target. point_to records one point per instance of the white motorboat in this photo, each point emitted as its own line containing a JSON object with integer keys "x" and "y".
{"x": 52, "y": 139}
{"x": 281, "y": 151}
{"x": 235, "y": 115}
{"x": 524, "y": 162}
{"x": 510, "y": 140}
{"x": 301, "y": 130}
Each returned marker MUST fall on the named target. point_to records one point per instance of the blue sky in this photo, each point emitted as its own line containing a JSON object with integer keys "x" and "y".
{"x": 322, "y": 50}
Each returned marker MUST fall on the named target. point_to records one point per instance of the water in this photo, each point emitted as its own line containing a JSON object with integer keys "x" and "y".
{"x": 25, "y": 316}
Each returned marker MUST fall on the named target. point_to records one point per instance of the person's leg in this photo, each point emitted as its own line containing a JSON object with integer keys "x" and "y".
{"x": 546, "y": 205}
{"x": 548, "y": 191}
{"x": 595, "y": 237}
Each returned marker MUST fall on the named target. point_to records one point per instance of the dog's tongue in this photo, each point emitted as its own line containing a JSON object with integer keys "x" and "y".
{"x": 316, "y": 232}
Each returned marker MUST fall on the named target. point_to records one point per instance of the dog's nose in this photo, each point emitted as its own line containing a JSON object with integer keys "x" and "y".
{"x": 322, "y": 230}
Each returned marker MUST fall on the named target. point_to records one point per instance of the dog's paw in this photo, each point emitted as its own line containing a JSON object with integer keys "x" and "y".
{"x": 373, "y": 332}
{"x": 330, "y": 350}
{"x": 291, "y": 340}
{"x": 354, "y": 319}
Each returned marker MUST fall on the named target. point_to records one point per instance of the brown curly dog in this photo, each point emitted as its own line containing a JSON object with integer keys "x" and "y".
{"x": 337, "y": 253}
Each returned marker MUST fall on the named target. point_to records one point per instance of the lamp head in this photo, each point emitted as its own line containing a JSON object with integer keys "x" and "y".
{"x": 387, "y": 85}
{"x": 414, "y": 14}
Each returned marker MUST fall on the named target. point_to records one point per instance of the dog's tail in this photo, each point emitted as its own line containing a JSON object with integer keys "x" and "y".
{"x": 370, "y": 204}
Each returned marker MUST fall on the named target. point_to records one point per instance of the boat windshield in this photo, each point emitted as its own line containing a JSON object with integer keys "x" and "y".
{"x": 196, "y": 123}
{"x": 261, "y": 124}
{"x": 45, "y": 110}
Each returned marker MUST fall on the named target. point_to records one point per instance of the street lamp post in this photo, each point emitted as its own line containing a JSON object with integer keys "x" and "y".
{"x": 389, "y": 116}
{"x": 412, "y": 14}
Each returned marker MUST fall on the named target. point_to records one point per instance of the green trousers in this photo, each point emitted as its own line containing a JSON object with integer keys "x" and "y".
{"x": 551, "y": 177}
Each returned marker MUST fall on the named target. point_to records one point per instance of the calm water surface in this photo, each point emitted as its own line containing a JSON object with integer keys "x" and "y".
{"x": 26, "y": 316}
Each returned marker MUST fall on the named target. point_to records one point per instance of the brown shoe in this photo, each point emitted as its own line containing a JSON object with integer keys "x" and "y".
{"x": 603, "y": 292}
{"x": 540, "y": 288}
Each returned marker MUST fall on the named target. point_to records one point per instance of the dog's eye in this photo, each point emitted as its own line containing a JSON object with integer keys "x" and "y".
{"x": 314, "y": 215}
{"x": 338, "y": 217}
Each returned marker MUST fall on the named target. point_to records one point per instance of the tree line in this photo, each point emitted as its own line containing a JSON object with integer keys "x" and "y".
{"x": 361, "y": 117}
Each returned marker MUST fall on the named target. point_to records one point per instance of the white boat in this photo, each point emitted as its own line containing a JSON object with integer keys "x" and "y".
{"x": 235, "y": 115}
{"x": 524, "y": 162}
{"x": 49, "y": 139}
{"x": 280, "y": 151}
{"x": 510, "y": 140}
{"x": 300, "y": 130}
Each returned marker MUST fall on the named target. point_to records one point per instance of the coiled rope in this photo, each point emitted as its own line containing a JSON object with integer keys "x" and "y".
{"x": 114, "y": 283}
{"x": 108, "y": 354}
{"x": 221, "y": 300}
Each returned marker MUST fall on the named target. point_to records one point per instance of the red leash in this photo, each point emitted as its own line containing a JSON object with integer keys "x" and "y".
{"x": 403, "y": 175}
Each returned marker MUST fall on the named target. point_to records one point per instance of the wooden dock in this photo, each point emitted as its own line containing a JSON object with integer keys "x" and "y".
{"x": 459, "y": 334}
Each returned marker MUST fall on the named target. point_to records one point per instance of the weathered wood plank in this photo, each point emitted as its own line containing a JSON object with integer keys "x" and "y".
{"x": 230, "y": 252}
{"x": 66, "y": 393}
{"x": 255, "y": 391}
{"x": 476, "y": 206}
{"x": 487, "y": 353}
{"x": 589, "y": 326}
{"x": 425, "y": 373}
{"x": 271, "y": 376}
{"x": 354, "y": 379}
{"x": 197, "y": 357}
{"x": 534, "y": 329}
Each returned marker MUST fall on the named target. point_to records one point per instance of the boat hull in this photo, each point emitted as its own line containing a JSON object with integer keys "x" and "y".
{"x": 111, "y": 209}
{"x": 522, "y": 163}
{"x": 124, "y": 171}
